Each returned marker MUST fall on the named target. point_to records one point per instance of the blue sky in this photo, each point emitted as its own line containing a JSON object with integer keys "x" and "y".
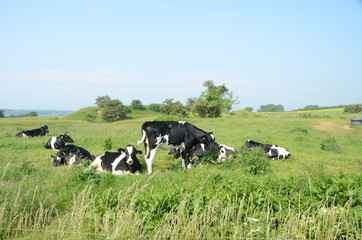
{"x": 64, "y": 54}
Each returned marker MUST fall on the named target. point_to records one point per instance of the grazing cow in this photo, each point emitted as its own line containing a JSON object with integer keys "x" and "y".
{"x": 122, "y": 162}
{"x": 71, "y": 154}
{"x": 170, "y": 135}
{"x": 34, "y": 132}
{"x": 57, "y": 143}
{"x": 200, "y": 149}
{"x": 273, "y": 151}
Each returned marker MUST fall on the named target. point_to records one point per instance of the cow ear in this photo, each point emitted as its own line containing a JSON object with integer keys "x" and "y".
{"x": 139, "y": 152}
{"x": 121, "y": 150}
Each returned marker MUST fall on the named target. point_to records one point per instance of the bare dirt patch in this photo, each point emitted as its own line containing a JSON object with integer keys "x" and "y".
{"x": 332, "y": 126}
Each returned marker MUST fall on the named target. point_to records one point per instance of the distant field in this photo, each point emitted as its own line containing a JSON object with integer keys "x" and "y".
{"x": 323, "y": 110}
{"x": 315, "y": 194}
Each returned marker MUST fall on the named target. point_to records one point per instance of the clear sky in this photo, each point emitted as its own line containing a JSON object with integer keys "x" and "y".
{"x": 64, "y": 54}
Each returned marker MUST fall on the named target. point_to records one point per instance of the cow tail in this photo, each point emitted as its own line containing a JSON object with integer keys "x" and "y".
{"x": 143, "y": 137}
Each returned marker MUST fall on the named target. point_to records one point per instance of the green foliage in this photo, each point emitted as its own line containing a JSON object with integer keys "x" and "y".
{"x": 101, "y": 101}
{"x": 300, "y": 130}
{"x": 114, "y": 110}
{"x": 249, "y": 109}
{"x": 213, "y": 101}
{"x": 271, "y": 108}
{"x": 330, "y": 144}
{"x": 173, "y": 108}
{"x": 155, "y": 107}
{"x": 254, "y": 161}
{"x": 2, "y": 113}
{"x": 137, "y": 104}
{"x": 353, "y": 109}
{"x": 107, "y": 145}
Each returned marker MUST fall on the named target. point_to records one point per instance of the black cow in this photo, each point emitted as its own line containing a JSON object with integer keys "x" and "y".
{"x": 122, "y": 162}
{"x": 200, "y": 149}
{"x": 57, "y": 143}
{"x": 170, "y": 135}
{"x": 273, "y": 151}
{"x": 71, "y": 154}
{"x": 34, "y": 132}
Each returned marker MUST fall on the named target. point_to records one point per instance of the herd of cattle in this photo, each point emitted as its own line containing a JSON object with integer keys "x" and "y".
{"x": 182, "y": 139}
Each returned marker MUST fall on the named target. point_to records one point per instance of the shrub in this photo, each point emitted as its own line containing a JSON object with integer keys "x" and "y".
{"x": 114, "y": 110}
{"x": 330, "y": 144}
{"x": 352, "y": 109}
{"x": 253, "y": 161}
{"x": 137, "y": 104}
{"x": 155, "y": 107}
{"x": 108, "y": 144}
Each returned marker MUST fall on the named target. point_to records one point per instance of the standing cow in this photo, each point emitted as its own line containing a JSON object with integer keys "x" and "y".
{"x": 170, "y": 135}
{"x": 57, "y": 143}
{"x": 34, "y": 132}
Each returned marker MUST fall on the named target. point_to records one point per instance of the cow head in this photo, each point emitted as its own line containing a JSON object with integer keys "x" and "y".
{"x": 224, "y": 152}
{"x": 44, "y": 129}
{"x": 67, "y": 138}
{"x": 130, "y": 151}
{"x": 207, "y": 138}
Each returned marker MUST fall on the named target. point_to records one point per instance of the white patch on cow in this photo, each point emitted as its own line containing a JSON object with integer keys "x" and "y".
{"x": 189, "y": 165}
{"x": 223, "y": 152}
{"x": 130, "y": 151}
{"x": 281, "y": 151}
{"x": 71, "y": 160}
{"x": 163, "y": 143}
{"x": 25, "y": 136}
{"x": 183, "y": 163}
{"x": 212, "y": 137}
{"x": 160, "y": 139}
{"x": 181, "y": 122}
{"x": 52, "y": 142}
{"x": 97, "y": 164}
{"x": 118, "y": 172}
{"x": 115, "y": 163}
{"x": 202, "y": 146}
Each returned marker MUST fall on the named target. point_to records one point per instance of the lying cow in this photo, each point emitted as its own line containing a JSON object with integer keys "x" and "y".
{"x": 170, "y": 135}
{"x": 122, "y": 162}
{"x": 34, "y": 132}
{"x": 273, "y": 151}
{"x": 57, "y": 143}
{"x": 71, "y": 154}
{"x": 200, "y": 149}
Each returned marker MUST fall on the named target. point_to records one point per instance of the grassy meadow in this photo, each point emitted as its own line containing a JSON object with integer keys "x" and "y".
{"x": 314, "y": 194}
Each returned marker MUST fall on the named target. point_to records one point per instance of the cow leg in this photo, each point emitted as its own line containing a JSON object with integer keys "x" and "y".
{"x": 185, "y": 161}
{"x": 150, "y": 158}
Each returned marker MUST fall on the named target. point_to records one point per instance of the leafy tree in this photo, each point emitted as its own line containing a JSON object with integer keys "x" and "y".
{"x": 33, "y": 114}
{"x": 311, "y": 107}
{"x": 155, "y": 107}
{"x": 352, "y": 109}
{"x": 271, "y": 108}
{"x": 114, "y": 110}
{"x": 137, "y": 104}
{"x": 214, "y": 100}
{"x": 2, "y": 113}
{"x": 249, "y": 109}
{"x": 190, "y": 103}
{"x": 100, "y": 101}
{"x": 173, "y": 108}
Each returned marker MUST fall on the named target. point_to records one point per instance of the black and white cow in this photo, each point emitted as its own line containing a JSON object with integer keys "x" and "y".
{"x": 273, "y": 151}
{"x": 34, "y": 132}
{"x": 200, "y": 149}
{"x": 122, "y": 162}
{"x": 170, "y": 135}
{"x": 71, "y": 154}
{"x": 57, "y": 143}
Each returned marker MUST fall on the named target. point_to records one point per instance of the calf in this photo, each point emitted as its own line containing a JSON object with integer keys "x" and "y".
{"x": 273, "y": 151}
{"x": 34, "y": 132}
{"x": 122, "y": 162}
{"x": 200, "y": 149}
{"x": 57, "y": 143}
{"x": 170, "y": 135}
{"x": 71, "y": 154}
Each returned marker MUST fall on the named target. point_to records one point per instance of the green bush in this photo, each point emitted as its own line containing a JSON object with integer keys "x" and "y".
{"x": 330, "y": 144}
{"x": 352, "y": 109}
{"x": 107, "y": 145}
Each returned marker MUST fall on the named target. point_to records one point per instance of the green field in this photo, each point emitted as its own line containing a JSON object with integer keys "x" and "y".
{"x": 315, "y": 194}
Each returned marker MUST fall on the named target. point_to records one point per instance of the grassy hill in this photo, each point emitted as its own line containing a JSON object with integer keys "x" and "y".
{"x": 313, "y": 194}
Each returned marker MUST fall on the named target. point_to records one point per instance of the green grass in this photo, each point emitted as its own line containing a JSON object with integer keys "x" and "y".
{"x": 315, "y": 194}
